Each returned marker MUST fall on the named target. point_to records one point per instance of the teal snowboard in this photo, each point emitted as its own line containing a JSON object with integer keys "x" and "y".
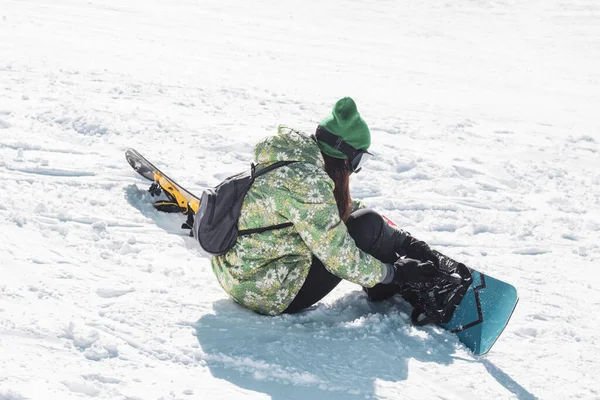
{"x": 484, "y": 309}
{"x": 483, "y": 313}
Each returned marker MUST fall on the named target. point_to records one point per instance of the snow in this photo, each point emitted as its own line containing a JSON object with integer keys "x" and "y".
{"x": 485, "y": 130}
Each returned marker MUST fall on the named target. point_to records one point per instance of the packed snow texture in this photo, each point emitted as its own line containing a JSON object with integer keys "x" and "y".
{"x": 485, "y": 130}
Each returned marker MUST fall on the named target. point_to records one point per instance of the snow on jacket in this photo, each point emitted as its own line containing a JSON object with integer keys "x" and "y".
{"x": 265, "y": 271}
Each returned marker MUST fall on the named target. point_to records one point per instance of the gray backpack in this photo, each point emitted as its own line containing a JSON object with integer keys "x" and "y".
{"x": 216, "y": 222}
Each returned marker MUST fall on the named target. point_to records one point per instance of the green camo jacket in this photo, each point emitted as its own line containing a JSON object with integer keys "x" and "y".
{"x": 265, "y": 271}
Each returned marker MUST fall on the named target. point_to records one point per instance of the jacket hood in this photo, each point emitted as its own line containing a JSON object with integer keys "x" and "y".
{"x": 288, "y": 145}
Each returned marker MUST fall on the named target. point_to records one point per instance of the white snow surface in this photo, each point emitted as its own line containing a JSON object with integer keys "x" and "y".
{"x": 484, "y": 119}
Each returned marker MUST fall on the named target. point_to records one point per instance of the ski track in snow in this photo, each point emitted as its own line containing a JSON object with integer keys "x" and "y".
{"x": 484, "y": 125}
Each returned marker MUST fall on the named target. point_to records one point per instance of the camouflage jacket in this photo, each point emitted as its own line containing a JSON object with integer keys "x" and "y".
{"x": 265, "y": 271}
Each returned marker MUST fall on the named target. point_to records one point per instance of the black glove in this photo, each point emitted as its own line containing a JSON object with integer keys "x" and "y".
{"x": 419, "y": 250}
{"x": 411, "y": 271}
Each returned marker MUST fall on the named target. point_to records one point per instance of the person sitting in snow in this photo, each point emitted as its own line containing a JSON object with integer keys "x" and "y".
{"x": 331, "y": 236}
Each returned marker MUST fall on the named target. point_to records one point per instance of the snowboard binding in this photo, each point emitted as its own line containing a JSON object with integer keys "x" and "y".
{"x": 175, "y": 203}
{"x": 435, "y": 303}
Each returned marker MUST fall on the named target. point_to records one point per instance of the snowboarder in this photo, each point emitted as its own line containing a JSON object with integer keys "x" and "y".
{"x": 331, "y": 236}
{"x": 285, "y": 232}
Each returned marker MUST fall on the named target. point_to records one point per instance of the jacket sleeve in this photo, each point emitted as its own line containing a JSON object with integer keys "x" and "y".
{"x": 310, "y": 205}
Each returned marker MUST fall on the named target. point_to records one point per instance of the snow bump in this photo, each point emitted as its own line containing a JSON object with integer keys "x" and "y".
{"x": 108, "y": 293}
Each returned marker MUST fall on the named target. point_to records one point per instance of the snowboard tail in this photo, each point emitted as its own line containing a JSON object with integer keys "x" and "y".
{"x": 483, "y": 312}
{"x": 180, "y": 199}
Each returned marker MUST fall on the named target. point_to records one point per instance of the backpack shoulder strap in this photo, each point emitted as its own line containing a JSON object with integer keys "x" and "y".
{"x": 269, "y": 168}
{"x": 255, "y": 174}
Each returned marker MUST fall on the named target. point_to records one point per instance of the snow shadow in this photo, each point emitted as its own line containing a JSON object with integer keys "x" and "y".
{"x": 142, "y": 200}
{"x": 505, "y": 380}
{"x": 328, "y": 352}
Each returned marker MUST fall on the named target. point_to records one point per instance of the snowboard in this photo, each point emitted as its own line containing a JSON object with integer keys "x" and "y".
{"x": 478, "y": 320}
{"x": 147, "y": 170}
{"x": 484, "y": 310}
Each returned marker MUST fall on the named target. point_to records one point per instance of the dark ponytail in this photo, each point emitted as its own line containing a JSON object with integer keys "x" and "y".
{"x": 339, "y": 172}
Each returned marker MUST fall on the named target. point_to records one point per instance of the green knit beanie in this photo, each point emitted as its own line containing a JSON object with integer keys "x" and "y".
{"x": 346, "y": 122}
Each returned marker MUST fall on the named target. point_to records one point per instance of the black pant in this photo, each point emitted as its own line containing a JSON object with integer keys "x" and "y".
{"x": 372, "y": 235}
